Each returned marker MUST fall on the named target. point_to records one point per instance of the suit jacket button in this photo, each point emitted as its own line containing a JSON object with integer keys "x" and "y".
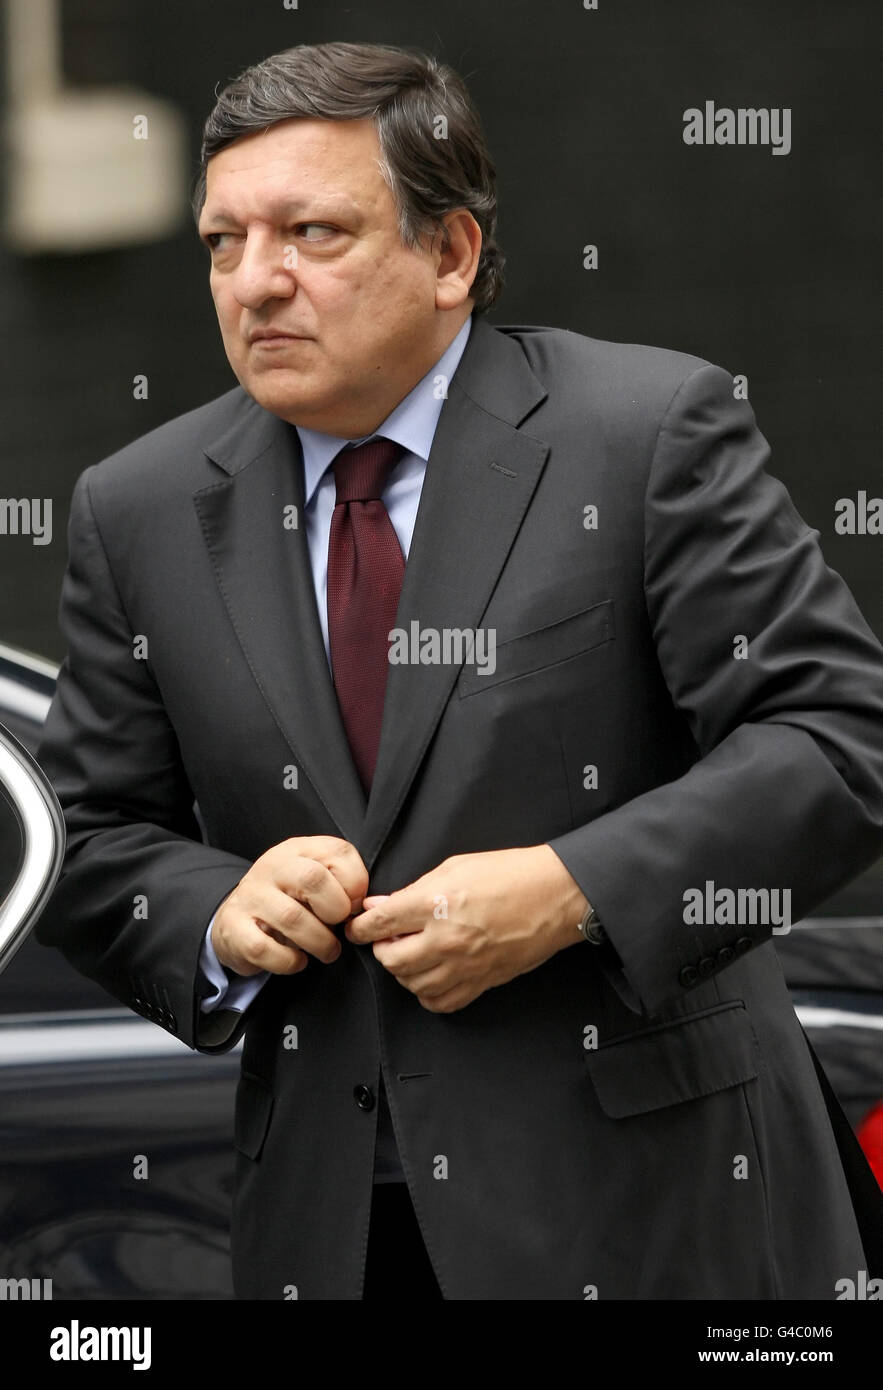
{"x": 688, "y": 976}
{"x": 744, "y": 944}
{"x": 725, "y": 955}
{"x": 364, "y": 1097}
{"x": 707, "y": 966}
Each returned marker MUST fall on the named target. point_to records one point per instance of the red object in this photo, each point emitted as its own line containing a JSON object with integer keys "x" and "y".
{"x": 870, "y": 1136}
{"x": 365, "y": 571}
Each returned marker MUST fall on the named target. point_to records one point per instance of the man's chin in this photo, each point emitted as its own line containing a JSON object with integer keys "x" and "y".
{"x": 277, "y": 392}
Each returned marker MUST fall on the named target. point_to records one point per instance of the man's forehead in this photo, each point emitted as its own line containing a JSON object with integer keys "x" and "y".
{"x": 320, "y": 161}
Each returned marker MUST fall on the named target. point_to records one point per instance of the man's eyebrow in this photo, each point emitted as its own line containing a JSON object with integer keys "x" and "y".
{"x": 330, "y": 204}
{"x": 216, "y": 215}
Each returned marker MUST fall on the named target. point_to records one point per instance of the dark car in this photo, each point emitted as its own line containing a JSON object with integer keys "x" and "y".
{"x": 116, "y": 1140}
{"x": 116, "y": 1167}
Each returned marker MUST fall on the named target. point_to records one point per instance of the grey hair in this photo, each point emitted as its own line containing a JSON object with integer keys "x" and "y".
{"x": 409, "y": 95}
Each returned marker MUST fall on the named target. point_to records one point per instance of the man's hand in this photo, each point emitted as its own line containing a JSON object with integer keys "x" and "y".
{"x": 276, "y": 916}
{"x": 476, "y": 921}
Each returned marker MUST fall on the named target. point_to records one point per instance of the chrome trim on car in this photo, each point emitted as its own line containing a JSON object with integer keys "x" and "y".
{"x": 41, "y": 822}
{"x": 817, "y": 1016}
{"x": 40, "y": 665}
{"x": 19, "y": 700}
{"x": 98, "y": 1035}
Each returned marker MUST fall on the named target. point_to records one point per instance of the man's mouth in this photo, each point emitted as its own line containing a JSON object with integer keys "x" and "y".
{"x": 274, "y": 337}
{"x": 279, "y": 341}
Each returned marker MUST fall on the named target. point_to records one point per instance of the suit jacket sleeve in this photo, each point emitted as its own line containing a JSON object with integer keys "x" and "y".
{"x": 787, "y": 788}
{"x": 138, "y": 884}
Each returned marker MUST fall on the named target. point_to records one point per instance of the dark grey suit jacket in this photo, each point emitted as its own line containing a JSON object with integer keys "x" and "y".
{"x": 688, "y": 1154}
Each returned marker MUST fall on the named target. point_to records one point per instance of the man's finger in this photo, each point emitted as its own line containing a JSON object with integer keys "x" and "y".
{"x": 399, "y": 914}
{"x": 339, "y": 857}
{"x": 259, "y": 948}
{"x": 311, "y": 883}
{"x": 346, "y": 864}
{"x": 407, "y": 956}
{"x": 292, "y": 922}
{"x": 428, "y": 983}
{"x": 447, "y": 1003}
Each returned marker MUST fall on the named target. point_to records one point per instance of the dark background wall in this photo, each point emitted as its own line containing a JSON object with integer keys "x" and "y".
{"x": 768, "y": 265}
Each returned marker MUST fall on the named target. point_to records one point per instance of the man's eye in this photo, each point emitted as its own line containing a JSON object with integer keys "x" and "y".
{"x": 323, "y": 226}
{"x": 214, "y": 239}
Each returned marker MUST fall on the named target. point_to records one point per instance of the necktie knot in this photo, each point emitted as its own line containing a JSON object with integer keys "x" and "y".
{"x": 361, "y": 473}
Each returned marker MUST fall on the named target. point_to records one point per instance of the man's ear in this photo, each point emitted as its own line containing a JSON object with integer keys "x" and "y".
{"x": 460, "y": 242}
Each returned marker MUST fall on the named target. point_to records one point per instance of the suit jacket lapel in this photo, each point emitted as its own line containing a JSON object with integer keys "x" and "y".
{"x": 480, "y": 477}
{"x": 479, "y": 481}
{"x": 263, "y": 572}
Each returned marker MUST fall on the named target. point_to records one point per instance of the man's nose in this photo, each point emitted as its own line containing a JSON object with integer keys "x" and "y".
{"x": 265, "y": 271}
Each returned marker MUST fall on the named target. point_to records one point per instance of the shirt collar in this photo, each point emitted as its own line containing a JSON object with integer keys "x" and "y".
{"x": 412, "y": 424}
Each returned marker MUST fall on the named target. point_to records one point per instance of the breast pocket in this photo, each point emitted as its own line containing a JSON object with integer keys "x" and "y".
{"x": 541, "y": 648}
{"x": 674, "y": 1062}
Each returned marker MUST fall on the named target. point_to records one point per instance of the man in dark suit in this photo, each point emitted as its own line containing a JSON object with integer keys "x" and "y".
{"x": 482, "y": 853}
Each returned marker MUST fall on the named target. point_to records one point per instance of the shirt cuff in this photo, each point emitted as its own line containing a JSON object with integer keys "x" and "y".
{"x": 236, "y": 993}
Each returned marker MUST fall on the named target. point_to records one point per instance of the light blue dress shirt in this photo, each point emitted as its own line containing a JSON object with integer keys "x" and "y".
{"x": 412, "y": 424}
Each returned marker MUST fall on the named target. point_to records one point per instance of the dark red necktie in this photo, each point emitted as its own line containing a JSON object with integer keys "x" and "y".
{"x": 365, "y": 570}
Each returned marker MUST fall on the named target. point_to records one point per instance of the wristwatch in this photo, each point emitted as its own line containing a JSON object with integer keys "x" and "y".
{"x": 590, "y": 927}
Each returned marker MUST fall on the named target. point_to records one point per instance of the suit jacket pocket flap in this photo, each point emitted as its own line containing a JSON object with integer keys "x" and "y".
{"x": 674, "y": 1062}
{"x": 254, "y": 1105}
{"x": 533, "y": 651}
